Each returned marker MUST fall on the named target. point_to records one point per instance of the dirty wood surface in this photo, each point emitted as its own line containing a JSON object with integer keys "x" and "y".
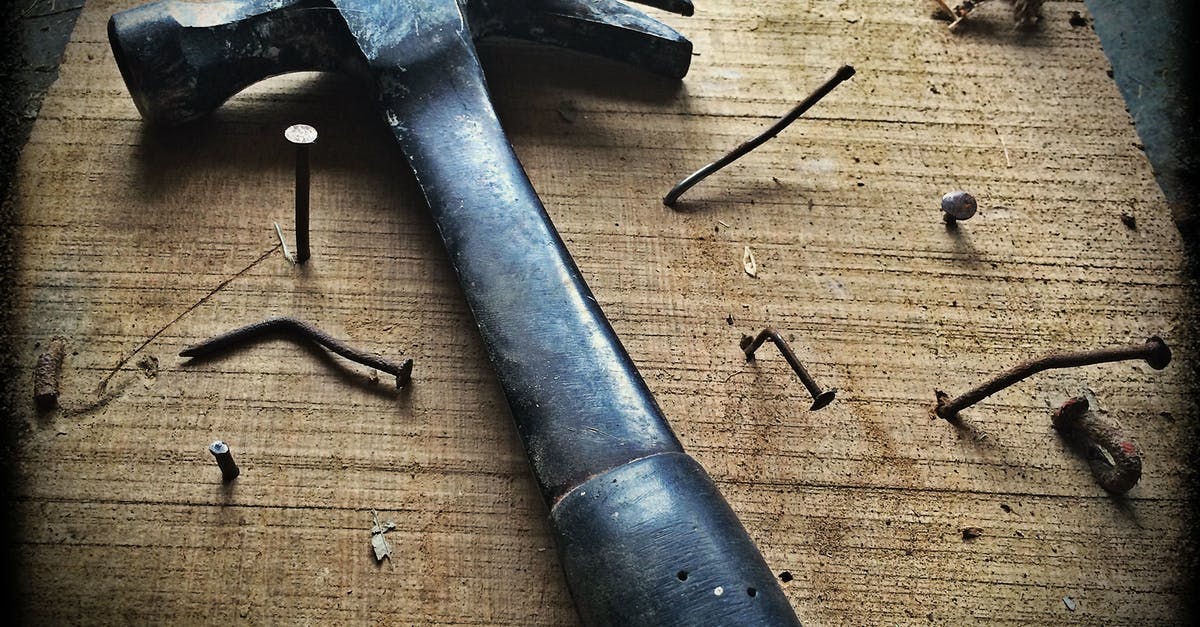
{"x": 136, "y": 243}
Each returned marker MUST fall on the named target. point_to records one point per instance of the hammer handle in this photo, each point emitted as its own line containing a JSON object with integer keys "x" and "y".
{"x": 643, "y": 533}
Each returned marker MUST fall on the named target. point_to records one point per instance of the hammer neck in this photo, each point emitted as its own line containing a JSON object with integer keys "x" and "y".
{"x": 580, "y": 405}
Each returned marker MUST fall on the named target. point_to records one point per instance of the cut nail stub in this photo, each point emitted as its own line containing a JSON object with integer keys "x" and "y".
{"x": 220, "y": 451}
{"x": 1114, "y": 459}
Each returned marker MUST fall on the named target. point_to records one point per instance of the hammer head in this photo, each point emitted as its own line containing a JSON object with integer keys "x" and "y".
{"x": 181, "y": 60}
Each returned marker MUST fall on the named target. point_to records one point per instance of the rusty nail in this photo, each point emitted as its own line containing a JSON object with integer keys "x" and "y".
{"x": 821, "y": 398}
{"x": 47, "y": 374}
{"x": 301, "y": 135}
{"x": 841, "y": 75}
{"x": 1114, "y": 459}
{"x": 213, "y": 346}
{"x": 1154, "y": 351}
{"x": 229, "y": 470}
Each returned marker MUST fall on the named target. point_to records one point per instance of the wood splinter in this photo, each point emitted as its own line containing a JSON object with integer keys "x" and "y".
{"x": 47, "y": 374}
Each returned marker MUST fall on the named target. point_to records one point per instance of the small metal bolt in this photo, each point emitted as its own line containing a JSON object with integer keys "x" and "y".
{"x": 229, "y": 470}
{"x": 957, "y": 206}
{"x": 1155, "y": 352}
{"x": 301, "y": 135}
{"x": 821, "y": 398}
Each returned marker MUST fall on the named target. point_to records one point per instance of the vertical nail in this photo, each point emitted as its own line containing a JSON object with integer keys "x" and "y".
{"x": 301, "y": 135}
{"x": 229, "y": 470}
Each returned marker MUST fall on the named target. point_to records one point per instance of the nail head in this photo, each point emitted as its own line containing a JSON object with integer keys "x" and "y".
{"x": 1160, "y": 355}
{"x": 300, "y": 134}
{"x": 823, "y": 399}
{"x": 959, "y": 205}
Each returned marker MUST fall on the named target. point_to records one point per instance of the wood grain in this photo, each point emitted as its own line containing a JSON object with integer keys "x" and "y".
{"x": 130, "y": 233}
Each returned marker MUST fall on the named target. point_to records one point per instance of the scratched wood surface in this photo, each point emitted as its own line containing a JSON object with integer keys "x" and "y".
{"x": 135, "y": 243}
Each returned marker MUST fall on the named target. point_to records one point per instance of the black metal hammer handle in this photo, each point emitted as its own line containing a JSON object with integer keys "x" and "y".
{"x": 643, "y": 533}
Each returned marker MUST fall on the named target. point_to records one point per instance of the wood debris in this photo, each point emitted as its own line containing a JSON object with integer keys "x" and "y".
{"x": 748, "y": 263}
{"x": 1025, "y": 13}
{"x": 382, "y": 547}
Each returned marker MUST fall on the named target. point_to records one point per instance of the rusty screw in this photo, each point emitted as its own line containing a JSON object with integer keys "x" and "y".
{"x": 821, "y": 398}
{"x": 229, "y": 470}
{"x": 958, "y": 206}
{"x": 301, "y": 135}
{"x": 1155, "y": 352}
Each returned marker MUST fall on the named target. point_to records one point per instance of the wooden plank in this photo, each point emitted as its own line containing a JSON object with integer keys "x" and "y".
{"x": 136, "y": 243}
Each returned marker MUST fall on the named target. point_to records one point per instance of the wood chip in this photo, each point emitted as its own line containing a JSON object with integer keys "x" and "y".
{"x": 748, "y": 263}
{"x": 382, "y": 547}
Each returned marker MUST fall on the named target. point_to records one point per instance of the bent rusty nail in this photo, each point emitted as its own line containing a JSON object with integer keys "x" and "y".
{"x": 821, "y": 398}
{"x": 842, "y": 74}
{"x": 1114, "y": 459}
{"x": 226, "y": 341}
{"x": 1154, "y": 351}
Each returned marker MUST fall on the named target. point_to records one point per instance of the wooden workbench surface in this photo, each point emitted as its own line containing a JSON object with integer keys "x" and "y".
{"x": 136, "y": 243}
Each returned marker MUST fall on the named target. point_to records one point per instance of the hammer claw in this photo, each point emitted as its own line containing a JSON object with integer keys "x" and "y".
{"x": 610, "y": 29}
{"x": 682, "y": 7}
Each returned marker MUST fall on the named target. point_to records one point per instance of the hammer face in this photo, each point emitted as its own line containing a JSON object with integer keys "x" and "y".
{"x": 605, "y": 28}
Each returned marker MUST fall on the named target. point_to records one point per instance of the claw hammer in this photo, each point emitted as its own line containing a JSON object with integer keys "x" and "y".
{"x": 643, "y": 534}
